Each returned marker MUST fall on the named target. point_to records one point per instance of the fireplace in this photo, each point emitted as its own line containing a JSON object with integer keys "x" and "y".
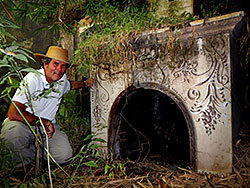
{"x": 148, "y": 124}
{"x": 175, "y": 104}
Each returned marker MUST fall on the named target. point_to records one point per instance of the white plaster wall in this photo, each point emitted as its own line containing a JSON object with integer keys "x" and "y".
{"x": 103, "y": 94}
{"x": 202, "y": 89}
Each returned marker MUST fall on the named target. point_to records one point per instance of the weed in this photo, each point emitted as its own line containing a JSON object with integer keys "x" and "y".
{"x": 6, "y": 165}
{"x": 114, "y": 169}
{"x": 74, "y": 119}
{"x": 14, "y": 60}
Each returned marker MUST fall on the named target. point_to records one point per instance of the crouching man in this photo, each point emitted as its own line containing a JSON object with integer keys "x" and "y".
{"x": 40, "y": 95}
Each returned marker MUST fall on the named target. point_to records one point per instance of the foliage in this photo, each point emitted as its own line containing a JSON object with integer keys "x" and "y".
{"x": 215, "y": 7}
{"x": 90, "y": 155}
{"x": 5, "y": 23}
{"x": 6, "y": 165}
{"x": 51, "y": 15}
{"x": 14, "y": 60}
{"x": 108, "y": 26}
{"x": 13, "y": 57}
{"x": 114, "y": 168}
{"x": 88, "y": 151}
{"x": 107, "y": 32}
{"x": 74, "y": 119}
{"x": 38, "y": 11}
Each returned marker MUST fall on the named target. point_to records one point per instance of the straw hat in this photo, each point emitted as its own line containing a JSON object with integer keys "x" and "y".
{"x": 54, "y": 52}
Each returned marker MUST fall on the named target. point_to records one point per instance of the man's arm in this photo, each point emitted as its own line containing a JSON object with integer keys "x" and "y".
{"x": 80, "y": 84}
{"x": 14, "y": 115}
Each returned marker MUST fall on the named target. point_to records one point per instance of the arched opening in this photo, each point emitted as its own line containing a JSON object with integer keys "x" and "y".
{"x": 146, "y": 124}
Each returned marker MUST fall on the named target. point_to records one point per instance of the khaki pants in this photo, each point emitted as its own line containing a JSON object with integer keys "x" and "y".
{"x": 20, "y": 140}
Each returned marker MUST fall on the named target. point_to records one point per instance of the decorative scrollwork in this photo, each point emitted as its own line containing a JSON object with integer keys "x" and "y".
{"x": 216, "y": 81}
{"x": 207, "y": 108}
{"x": 194, "y": 94}
{"x": 186, "y": 65}
{"x": 100, "y": 99}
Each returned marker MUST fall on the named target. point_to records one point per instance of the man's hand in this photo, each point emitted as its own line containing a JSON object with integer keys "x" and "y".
{"x": 80, "y": 84}
{"x": 49, "y": 129}
{"x": 76, "y": 84}
{"x": 14, "y": 115}
{"x": 89, "y": 82}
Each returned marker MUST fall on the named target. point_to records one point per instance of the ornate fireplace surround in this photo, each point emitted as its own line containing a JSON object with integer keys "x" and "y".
{"x": 200, "y": 74}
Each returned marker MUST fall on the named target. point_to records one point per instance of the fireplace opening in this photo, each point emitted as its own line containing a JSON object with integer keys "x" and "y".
{"x": 147, "y": 124}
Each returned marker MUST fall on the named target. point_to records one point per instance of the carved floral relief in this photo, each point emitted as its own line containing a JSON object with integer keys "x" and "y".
{"x": 203, "y": 59}
{"x": 216, "y": 81}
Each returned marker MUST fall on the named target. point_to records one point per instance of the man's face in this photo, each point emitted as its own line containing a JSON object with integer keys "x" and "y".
{"x": 54, "y": 70}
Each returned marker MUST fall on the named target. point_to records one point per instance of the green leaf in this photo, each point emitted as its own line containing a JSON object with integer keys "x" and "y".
{"x": 53, "y": 174}
{"x": 90, "y": 163}
{"x": 24, "y": 53}
{"x": 4, "y": 78}
{"x": 93, "y": 146}
{"x": 43, "y": 179}
{"x": 21, "y": 57}
{"x": 99, "y": 140}
{"x": 11, "y": 49}
{"x": 36, "y": 181}
{"x": 106, "y": 168}
{"x": 4, "y": 64}
{"x": 6, "y": 34}
{"x": 29, "y": 69}
{"x": 7, "y": 23}
{"x": 5, "y": 183}
{"x": 88, "y": 137}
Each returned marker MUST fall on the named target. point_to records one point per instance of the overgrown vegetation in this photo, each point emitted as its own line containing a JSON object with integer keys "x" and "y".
{"x": 108, "y": 32}
{"x": 13, "y": 63}
{"x": 75, "y": 119}
{"x": 211, "y": 8}
{"x": 14, "y": 59}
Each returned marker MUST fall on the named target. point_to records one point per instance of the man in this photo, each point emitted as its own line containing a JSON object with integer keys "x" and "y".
{"x": 39, "y": 95}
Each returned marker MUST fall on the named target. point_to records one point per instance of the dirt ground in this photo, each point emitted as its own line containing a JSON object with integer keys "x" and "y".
{"x": 145, "y": 174}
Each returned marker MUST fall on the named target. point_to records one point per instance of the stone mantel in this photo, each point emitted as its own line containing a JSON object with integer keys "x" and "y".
{"x": 200, "y": 77}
